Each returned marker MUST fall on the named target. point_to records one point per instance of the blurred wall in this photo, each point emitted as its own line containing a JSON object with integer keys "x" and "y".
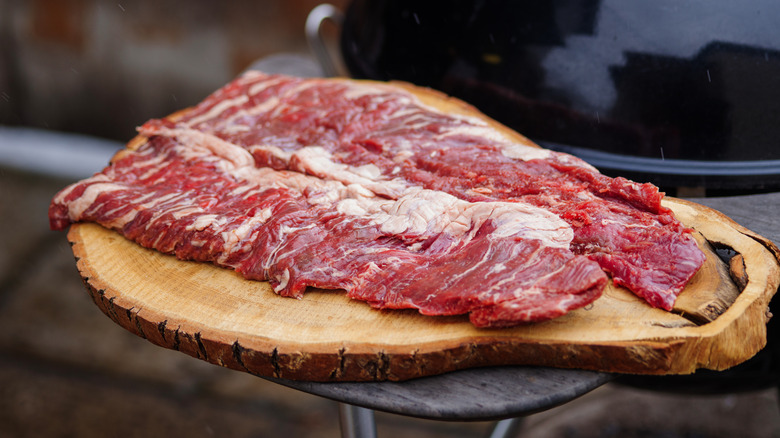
{"x": 104, "y": 67}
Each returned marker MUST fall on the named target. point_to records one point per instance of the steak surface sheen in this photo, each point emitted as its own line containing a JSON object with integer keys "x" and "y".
{"x": 362, "y": 187}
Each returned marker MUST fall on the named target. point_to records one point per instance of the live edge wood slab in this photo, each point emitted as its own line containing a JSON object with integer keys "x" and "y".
{"x": 215, "y": 315}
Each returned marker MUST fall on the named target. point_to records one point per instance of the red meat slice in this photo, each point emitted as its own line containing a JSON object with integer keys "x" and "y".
{"x": 504, "y": 263}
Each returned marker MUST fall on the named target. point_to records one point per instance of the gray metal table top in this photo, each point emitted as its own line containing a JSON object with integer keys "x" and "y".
{"x": 475, "y": 395}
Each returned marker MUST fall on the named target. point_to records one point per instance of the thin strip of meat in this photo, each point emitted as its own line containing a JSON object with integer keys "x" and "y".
{"x": 201, "y": 198}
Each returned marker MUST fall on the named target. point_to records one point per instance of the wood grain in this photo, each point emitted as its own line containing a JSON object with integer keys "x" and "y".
{"x": 215, "y": 315}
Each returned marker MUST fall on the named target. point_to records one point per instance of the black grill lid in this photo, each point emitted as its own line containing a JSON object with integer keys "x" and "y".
{"x": 673, "y": 92}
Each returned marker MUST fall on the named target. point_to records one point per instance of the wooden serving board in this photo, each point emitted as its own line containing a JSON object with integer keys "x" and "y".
{"x": 215, "y": 315}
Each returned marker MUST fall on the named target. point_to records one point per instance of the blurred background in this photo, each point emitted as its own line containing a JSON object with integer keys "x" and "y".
{"x": 103, "y": 67}
{"x": 76, "y": 78}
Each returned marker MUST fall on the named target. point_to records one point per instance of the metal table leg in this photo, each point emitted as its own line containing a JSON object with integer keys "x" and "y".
{"x": 506, "y": 428}
{"x": 356, "y": 422}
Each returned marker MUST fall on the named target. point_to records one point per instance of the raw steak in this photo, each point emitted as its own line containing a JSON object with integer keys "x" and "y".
{"x": 204, "y": 199}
